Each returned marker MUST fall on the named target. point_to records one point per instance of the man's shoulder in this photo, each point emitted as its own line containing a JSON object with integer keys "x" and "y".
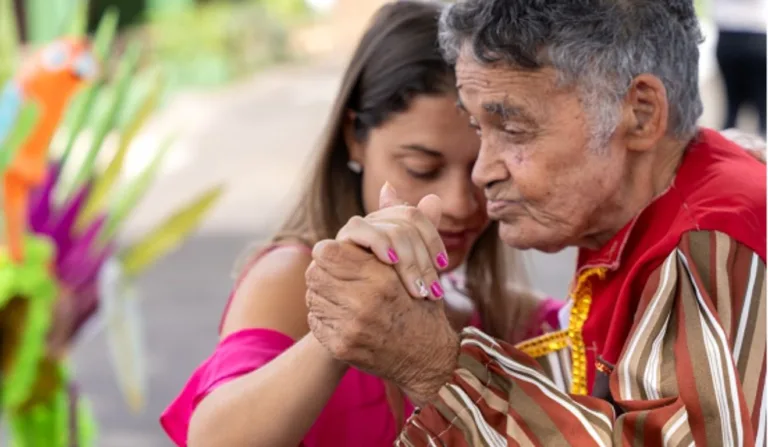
{"x": 723, "y": 189}
{"x": 717, "y": 171}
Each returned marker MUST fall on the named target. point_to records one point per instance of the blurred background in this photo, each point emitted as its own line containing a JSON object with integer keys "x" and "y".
{"x": 248, "y": 85}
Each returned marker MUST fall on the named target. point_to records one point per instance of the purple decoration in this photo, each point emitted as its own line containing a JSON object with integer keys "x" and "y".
{"x": 61, "y": 225}
{"x": 41, "y": 199}
{"x": 83, "y": 259}
{"x": 85, "y": 306}
{"x": 79, "y": 256}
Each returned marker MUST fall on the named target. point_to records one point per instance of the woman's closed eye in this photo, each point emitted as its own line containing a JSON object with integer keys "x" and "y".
{"x": 422, "y": 171}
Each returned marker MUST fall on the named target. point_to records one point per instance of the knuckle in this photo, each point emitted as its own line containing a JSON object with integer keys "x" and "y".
{"x": 427, "y": 270}
{"x": 339, "y": 349}
{"x": 355, "y": 223}
{"x": 309, "y": 300}
{"x": 412, "y": 269}
{"x": 313, "y": 301}
{"x": 320, "y": 249}
{"x": 383, "y": 278}
{"x": 311, "y": 275}
{"x": 412, "y": 213}
{"x": 402, "y": 232}
{"x": 352, "y": 333}
{"x": 328, "y": 251}
{"x": 317, "y": 279}
{"x": 313, "y": 323}
{"x": 435, "y": 241}
{"x": 357, "y": 220}
{"x": 419, "y": 244}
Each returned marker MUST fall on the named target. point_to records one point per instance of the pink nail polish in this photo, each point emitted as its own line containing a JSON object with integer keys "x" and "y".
{"x": 442, "y": 260}
{"x": 392, "y": 256}
{"x": 437, "y": 290}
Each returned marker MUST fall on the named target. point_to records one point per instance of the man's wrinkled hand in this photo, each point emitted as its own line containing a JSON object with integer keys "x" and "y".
{"x": 360, "y": 311}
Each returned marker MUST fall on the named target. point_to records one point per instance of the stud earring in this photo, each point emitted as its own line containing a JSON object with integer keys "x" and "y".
{"x": 354, "y": 166}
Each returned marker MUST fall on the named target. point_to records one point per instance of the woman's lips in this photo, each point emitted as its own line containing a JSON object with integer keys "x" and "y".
{"x": 456, "y": 240}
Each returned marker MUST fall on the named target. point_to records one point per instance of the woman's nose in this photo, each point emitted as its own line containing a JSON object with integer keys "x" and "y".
{"x": 462, "y": 200}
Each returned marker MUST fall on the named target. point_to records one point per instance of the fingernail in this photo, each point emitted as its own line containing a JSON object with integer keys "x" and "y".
{"x": 392, "y": 256}
{"x": 442, "y": 260}
{"x": 422, "y": 288}
{"x": 437, "y": 290}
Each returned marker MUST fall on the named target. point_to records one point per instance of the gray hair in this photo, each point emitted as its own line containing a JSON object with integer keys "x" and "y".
{"x": 598, "y": 46}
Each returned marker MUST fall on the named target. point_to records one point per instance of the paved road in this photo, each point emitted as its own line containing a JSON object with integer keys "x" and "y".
{"x": 255, "y": 138}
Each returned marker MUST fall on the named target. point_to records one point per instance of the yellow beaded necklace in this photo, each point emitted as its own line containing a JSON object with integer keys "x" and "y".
{"x": 573, "y": 337}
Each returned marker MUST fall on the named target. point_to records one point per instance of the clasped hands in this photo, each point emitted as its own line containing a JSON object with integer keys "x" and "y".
{"x": 373, "y": 296}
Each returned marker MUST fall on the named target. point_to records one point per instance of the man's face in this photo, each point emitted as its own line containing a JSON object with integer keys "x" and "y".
{"x": 545, "y": 177}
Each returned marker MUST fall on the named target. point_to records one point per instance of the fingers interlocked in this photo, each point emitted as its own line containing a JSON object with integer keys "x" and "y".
{"x": 402, "y": 236}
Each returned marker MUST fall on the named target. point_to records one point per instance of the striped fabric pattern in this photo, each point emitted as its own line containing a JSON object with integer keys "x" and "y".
{"x": 692, "y": 371}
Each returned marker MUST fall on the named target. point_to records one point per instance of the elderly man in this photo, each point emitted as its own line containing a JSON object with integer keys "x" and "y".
{"x": 587, "y": 111}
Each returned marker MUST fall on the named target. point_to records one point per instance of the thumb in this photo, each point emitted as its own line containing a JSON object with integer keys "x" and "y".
{"x": 432, "y": 207}
{"x": 388, "y": 197}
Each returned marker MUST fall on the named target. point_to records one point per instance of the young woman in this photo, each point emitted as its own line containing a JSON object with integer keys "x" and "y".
{"x": 269, "y": 382}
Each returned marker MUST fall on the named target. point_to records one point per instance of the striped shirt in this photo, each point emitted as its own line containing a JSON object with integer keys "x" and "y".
{"x": 664, "y": 341}
{"x": 693, "y": 372}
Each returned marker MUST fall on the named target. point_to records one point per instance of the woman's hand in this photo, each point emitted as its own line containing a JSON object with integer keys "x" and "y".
{"x": 405, "y": 237}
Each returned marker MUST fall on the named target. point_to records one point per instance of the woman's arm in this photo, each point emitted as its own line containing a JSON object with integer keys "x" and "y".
{"x": 276, "y": 404}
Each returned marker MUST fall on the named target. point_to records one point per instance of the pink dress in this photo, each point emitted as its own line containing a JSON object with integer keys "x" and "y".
{"x": 357, "y": 414}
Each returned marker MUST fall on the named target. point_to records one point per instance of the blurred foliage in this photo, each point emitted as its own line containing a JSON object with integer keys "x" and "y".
{"x": 131, "y": 12}
{"x": 45, "y": 19}
{"x": 194, "y": 42}
{"x": 701, "y": 7}
{"x": 218, "y": 41}
{"x": 34, "y": 397}
{"x": 9, "y": 41}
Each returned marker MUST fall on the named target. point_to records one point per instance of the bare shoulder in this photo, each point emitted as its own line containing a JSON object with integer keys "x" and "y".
{"x": 271, "y": 294}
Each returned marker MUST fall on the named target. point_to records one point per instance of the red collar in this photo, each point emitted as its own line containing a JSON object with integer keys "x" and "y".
{"x": 609, "y": 255}
{"x": 705, "y": 149}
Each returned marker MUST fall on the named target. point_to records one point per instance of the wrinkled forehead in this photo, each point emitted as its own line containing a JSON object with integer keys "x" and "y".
{"x": 501, "y": 89}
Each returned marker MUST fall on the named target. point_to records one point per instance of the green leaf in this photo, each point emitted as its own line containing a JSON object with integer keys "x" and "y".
{"x": 77, "y": 21}
{"x": 132, "y": 193}
{"x": 169, "y": 234}
{"x": 105, "y": 33}
{"x": 107, "y": 180}
{"x": 123, "y": 81}
{"x": 43, "y": 19}
{"x": 26, "y": 120}
{"x": 9, "y": 40}
{"x": 83, "y": 104}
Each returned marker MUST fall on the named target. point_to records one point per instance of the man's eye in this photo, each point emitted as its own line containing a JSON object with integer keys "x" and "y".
{"x": 515, "y": 131}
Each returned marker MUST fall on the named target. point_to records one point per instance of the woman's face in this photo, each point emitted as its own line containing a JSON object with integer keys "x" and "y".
{"x": 428, "y": 149}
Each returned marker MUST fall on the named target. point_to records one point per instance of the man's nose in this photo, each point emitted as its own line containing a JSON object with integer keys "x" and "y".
{"x": 489, "y": 167}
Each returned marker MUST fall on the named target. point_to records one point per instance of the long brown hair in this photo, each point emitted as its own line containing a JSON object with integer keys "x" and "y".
{"x": 397, "y": 59}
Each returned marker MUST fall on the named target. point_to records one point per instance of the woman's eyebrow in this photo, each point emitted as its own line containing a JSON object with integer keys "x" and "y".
{"x": 422, "y": 149}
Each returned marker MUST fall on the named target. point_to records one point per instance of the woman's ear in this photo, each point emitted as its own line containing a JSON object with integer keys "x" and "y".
{"x": 352, "y": 138}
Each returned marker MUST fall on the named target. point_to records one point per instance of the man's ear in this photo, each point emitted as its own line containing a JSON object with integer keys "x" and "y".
{"x": 646, "y": 113}
{"x": 352, "y": 138}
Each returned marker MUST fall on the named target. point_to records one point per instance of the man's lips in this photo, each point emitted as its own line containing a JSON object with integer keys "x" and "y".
{"x": 497, "y": 208}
